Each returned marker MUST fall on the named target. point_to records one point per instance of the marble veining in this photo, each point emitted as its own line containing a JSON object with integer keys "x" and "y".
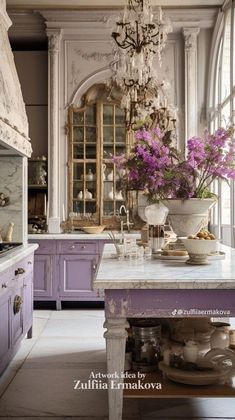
{"x": 157, "y": 274}
{"x": 11, "y": 186}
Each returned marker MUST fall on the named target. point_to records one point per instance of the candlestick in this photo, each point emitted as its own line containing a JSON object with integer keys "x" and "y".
{"x": 45, "y": 205}
{"x": 47, "y": 212}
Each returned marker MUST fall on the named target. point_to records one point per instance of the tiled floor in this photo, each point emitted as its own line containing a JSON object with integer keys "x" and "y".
{"x": 66, "y": 346}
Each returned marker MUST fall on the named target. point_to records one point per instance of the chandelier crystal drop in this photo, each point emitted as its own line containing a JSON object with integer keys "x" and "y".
{"x": 138, "y": 37}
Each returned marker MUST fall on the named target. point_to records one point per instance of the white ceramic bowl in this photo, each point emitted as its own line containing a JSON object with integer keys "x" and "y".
{"x": 93, "y": 229}
{"x": 200, "y": 246}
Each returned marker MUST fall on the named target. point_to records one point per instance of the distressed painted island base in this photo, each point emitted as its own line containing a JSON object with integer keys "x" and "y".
{"x": 123, "y": 304}
{"x": 160, "y": 289}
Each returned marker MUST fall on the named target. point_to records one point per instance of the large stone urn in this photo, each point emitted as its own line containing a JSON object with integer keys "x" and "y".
{"x": 188, "y": 217}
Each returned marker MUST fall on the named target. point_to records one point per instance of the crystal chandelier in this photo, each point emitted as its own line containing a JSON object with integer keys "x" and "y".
{"x": 138, "y": 37}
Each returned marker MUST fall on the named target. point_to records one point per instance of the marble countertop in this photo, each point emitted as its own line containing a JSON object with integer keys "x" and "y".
{"x": 79, "y": 235}
{"x": 12, "y": 257}
{"x": 165, "y": 274}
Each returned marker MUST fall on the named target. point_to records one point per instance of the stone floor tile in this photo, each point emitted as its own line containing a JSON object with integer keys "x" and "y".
{"x": 68, "y": 350}
{"x": 49, "y": 392}
{"x": 78, "y": 314}
{"x": 81, "y": 328}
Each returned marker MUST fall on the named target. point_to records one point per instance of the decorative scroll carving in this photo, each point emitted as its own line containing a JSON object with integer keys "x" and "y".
{"x": 95, "y": 56}
{"x": 54, "y": 38}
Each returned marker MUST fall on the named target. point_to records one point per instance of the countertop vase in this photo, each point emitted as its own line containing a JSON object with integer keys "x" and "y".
{"x": 154, "y": 214}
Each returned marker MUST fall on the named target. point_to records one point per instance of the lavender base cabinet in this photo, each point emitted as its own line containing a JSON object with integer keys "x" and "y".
{"x": 16, "y": 308}
{"x": 64, "y": 270}
{"x": 43, "y": 276}
{"x": 76, "y": 273}
{"x": 5, "y": 330}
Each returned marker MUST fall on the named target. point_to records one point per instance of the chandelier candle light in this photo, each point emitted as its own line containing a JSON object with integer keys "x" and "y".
{"x": 139, "y": 35}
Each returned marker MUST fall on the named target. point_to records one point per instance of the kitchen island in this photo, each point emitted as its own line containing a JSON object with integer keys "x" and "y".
{"x": 157, "y": 289}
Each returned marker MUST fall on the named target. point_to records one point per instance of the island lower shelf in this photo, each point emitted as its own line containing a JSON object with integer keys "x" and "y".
{"x": 170, "y": 389}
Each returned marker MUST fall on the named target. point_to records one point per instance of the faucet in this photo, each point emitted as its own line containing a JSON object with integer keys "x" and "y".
{"x": 128, "y": 224}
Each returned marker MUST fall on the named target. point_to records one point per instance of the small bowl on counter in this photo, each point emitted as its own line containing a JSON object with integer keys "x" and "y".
{"x": 199, "y": 249}
{"x": 93, "y": 229}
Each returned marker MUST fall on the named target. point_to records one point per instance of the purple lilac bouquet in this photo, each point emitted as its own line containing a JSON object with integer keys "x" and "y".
{"x": 155, "y": 167}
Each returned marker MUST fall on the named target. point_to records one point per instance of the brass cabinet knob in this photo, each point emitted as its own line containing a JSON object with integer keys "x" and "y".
{"x": 19, "y": 271}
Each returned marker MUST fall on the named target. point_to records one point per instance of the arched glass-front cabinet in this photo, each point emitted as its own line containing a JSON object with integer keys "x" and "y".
{"x": 96, "y": 131}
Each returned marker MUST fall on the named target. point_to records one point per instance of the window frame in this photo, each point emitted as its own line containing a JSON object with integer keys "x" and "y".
{"x": 226, "y": 232}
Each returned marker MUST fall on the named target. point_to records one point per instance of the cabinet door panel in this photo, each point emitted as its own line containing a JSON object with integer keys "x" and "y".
{"x": 17, "y": 316}
{"x": 43, "y": 275}
{"x": 76, "y": 273}
{"x": 27, "y": 302}
{"x": 5, "y": 341}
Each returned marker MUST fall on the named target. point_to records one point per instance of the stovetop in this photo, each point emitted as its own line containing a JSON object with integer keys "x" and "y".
{"x": 6, "y": 247}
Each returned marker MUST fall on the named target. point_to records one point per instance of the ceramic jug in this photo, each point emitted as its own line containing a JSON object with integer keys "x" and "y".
{"x": 220, "y": 338}
{"x": 190, "y": 351}
{"x": 110, "y": 176}
{"x": 88, "y": 195}
{"x": 111, "y": 194}
{"x": 80, "y": 195}
{"x": 103, "y": 172}
{"x": 90, "y": 175}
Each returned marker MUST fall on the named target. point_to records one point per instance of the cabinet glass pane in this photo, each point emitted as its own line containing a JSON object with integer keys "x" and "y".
{"x": 91, "y": 115}
{"x": 90, "y": 151}
{"x": 108, "y": 114}
{"x": 78, "y": 134}
{"x": 119, "y": 116}
{"x": 78, "y": 151}
{"x": 120, "y": 133}
{"x": 108, "y": 152}
{"x": 108, "y": 209}
{"x": 78, "y": 190}
{"x": 90, "y": 208}
{"x": 78, "y": 118}
{"x": 108, "y": 135}
{"x": 90, "y": 134}
{"x": 78, "y": 207}
{"x": 78, "y": 171}
{"x": 90, "y": 182}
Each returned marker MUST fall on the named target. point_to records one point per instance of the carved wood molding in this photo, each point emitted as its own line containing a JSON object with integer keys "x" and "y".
{"x": 14, "y": 139}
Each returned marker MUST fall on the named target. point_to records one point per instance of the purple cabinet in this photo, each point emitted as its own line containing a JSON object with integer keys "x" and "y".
{"x": 76, "y": 273}
{"x": 17, "y": 314}
{"x": 16, "y": 307}
{"x": 43, "y": 276}
{"x": 64, "y": 270}
{"x": 5, "y": 329}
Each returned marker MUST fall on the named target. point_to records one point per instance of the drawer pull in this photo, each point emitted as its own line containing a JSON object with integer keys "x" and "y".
{"x": 4, "y": 285}
{"x": 29, "y": 262}
{"x": 72, "y": 247}
{"x": 83, "y": 246}
{"x": 19, "y": 271}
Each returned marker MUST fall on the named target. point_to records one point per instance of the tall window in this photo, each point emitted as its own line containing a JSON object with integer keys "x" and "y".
{"x": 222, "y": 114}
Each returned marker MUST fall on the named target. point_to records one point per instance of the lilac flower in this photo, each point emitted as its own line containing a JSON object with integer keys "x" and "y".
{"x": 154, "y": 166}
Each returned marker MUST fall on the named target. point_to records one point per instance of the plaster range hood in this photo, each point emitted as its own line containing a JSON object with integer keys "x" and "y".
{"x": 13, "y": 119}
